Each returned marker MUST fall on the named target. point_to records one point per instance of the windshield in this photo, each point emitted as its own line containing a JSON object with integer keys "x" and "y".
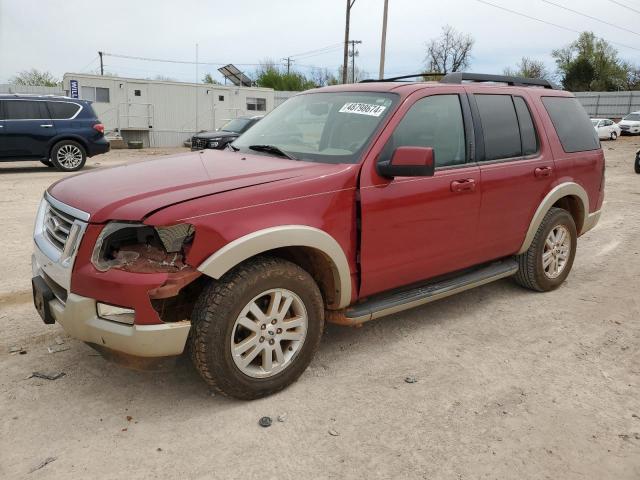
{"x": 634, "y": 117}
{"x": 595, "y": 122}
{"x": 321, "y": 127}
{"x": 236, "y": 125}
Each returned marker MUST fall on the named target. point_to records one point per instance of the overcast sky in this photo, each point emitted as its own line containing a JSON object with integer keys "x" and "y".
{"x": 64, "y": 35}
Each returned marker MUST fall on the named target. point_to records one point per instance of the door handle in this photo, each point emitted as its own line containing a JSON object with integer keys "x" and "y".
{"x": 47, "y": 125}
{"x": 542, "y": 171}
{"x": 466, "y": 185}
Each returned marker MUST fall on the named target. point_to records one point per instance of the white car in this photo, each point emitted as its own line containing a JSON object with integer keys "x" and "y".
{"x": 606, "y": 128}
{"x": 630, "y": 124}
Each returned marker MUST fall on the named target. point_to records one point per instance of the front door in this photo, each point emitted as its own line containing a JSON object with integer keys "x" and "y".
{"x": 516, "y": 166}
{"x": 27, "y": 128}
{"x": 416, "y": 228}
{"x": 138, "y": 107}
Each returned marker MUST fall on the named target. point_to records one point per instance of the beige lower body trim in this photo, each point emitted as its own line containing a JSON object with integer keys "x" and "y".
{"x": 591, "y": 221}
{"x": 79, "y": 319}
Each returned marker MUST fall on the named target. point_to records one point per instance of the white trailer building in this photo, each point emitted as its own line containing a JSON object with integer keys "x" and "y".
{"x": 162, "y": 113}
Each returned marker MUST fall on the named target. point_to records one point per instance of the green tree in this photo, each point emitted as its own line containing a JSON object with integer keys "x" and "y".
{"x": 590, "y": 63}
{"x": 270, "y": 75}
{"x": 209, "y": 79}
{"x": 35, "y": 78}
{"x": 529, "y": 68}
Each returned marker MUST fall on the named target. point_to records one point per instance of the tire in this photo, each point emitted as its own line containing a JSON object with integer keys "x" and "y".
{"x": 531, "y": 272}
{"x": 225, "y": 303}
{"x": 68, "y": 156}
{"x": 636, "y": 164}
{"x": 613, "y": 136}
{"x": 47, "y": 163}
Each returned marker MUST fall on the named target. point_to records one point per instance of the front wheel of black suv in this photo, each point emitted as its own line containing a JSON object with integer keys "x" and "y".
{"x": 548, "y": 261}
{"x": 68, "y": 156}
{"x": 636, "y": 164}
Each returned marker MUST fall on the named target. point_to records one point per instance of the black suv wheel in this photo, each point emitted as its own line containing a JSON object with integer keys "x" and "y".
{"x": 68, "y": 156}
{"x": 636, "y": 164}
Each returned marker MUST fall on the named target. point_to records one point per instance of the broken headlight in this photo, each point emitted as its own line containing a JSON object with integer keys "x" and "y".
{"x": 142, "y": 248}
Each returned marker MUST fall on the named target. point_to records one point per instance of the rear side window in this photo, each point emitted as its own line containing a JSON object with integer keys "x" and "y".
{"x": 62, "y": 110}
{"x": 25, "y": 110}
{"x": 574, "y": 129}
{"x": 527, "y": 130}
{"x": 499, "y": 126}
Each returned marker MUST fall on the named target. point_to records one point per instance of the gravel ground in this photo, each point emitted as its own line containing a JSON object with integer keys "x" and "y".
{"x": 509, "y": 383}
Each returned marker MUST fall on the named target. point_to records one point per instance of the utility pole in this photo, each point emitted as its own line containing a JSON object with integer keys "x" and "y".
{"x": 289, "y": 62}
{"x": 383, "y": 43}
{"x": 353, "y": 54}
{"x": 346, "y": 41}
{"x": 101, "y": 64}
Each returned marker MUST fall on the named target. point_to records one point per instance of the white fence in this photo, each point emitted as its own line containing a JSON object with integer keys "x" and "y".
{"x": 609, "y": 104}
{"x": 34, "y": 90}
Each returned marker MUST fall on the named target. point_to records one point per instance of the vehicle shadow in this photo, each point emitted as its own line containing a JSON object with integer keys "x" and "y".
{"x": 39, "y": 169}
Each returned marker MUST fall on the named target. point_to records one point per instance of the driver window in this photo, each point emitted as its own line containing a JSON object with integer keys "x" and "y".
{"x": 436, "y": 122}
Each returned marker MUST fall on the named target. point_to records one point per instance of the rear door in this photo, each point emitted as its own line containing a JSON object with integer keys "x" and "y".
{"x": 4, "y": 146}
{"x": 28, "y": 128}
{"x": 415, "y": 228}
{"x": 516, "y": 167}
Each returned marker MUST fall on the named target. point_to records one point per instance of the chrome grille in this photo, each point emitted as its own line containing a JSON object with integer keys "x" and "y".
{"x": 57, "y": 226}
{"x": 198, "y": 143}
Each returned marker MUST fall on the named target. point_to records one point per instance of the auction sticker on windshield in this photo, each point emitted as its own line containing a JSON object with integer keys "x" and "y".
{"x": 363, "y": 109}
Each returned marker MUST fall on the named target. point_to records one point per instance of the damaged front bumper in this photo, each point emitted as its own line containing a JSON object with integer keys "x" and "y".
{"x": 73, "y": 302}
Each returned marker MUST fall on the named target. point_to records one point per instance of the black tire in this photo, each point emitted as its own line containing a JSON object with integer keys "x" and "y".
{"x": 531, "y": 273}
{"x": 75, "y": 147}
{"x": 220, "y": 304}
{"x": 636, "y": 164}
{"x": 613, "y": 136}
{"x": 47, "y": 163}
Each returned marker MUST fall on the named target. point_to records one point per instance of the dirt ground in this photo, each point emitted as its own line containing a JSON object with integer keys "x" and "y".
{"x": 510, "y": 384}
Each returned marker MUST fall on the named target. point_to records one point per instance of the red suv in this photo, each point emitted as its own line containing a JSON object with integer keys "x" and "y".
{"x": 345, "y": 204}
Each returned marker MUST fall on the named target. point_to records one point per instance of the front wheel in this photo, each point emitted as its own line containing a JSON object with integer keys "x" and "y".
{"x": 636, "y": 164}
{"x": 614, "y": 136}
{"x": 68, "y": 156}
{"x": 548, "y": 261}
{"x": 256, "y": 329}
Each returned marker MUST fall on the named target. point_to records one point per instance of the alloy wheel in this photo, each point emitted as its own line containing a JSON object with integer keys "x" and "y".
{"x": 69, "y": 156}
{"x": 557, "y": 249}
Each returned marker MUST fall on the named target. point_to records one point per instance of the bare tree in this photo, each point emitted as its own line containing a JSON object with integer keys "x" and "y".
{"x": 36, "y": 78}
{"x": 529, "y": 68}
{"x": 450, "y": 52}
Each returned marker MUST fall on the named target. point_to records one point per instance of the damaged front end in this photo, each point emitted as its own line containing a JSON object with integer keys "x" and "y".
{"x": 146, "y": 249}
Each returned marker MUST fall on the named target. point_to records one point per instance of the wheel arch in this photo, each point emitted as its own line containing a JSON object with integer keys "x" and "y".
{"x": 313, "y": 249}
{"x": 571, "y": 197}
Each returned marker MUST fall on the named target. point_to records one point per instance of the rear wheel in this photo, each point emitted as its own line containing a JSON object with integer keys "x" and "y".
{"x": 256, "y": 330}
{"x": 636, "y": 164}
{"x": 614, "y": 136}
{"x": 68, "y": 156}
{"x": 548, "y": 261}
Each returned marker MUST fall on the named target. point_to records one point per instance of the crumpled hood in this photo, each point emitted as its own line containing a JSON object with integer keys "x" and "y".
{"x": 131, "y": 192}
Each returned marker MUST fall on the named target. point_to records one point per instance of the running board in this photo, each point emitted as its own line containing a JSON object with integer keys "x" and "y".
{"x": 387, "y": 304}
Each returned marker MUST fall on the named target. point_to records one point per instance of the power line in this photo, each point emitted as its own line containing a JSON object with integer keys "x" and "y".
{"x": 318, "y": 49}
{"x": 591, "y": 17}
{"x": 624, "y": 6}
{"x": 500, "y": 7}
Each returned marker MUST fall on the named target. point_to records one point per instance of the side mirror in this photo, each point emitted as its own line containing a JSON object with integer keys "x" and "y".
{"x": 409, "y": 162}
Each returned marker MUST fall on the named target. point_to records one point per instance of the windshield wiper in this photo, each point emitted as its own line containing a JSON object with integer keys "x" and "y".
{"x": 272, "y": 149}
{"x": 235, "y": 149}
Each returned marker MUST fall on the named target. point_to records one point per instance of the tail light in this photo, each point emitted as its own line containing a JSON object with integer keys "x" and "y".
{"x": 99, "y": 127}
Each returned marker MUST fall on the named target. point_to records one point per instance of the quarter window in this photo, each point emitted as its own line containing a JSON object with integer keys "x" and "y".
{"x": 62, "y": 110}
{"x": 95, "y": 94}
{"x": 527, "y": 129}
{"x": 25, "y": 110}
{"x": 572, "y": 124}
{"x": 258, "y": 104}
{"x": 435, "y": 122}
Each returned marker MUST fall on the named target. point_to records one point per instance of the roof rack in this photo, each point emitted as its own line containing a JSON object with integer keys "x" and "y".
{"x": 395, "y": 79}
{"x": 459, "y": 77}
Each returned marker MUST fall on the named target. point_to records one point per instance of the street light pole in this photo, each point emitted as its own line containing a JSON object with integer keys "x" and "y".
{"x": 384, "y": 39}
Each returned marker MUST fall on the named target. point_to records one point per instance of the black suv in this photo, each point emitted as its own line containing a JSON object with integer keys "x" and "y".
{"x": 225, "y": 135}
{"x": 61, "y": 132}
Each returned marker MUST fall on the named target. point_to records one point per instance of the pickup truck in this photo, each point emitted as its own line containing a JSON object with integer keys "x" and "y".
{"x": 345, "y": 204}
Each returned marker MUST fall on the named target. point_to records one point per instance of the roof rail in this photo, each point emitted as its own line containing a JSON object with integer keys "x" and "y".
{"x": 395, "y": 79}
{"x": 460, "y": 77}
